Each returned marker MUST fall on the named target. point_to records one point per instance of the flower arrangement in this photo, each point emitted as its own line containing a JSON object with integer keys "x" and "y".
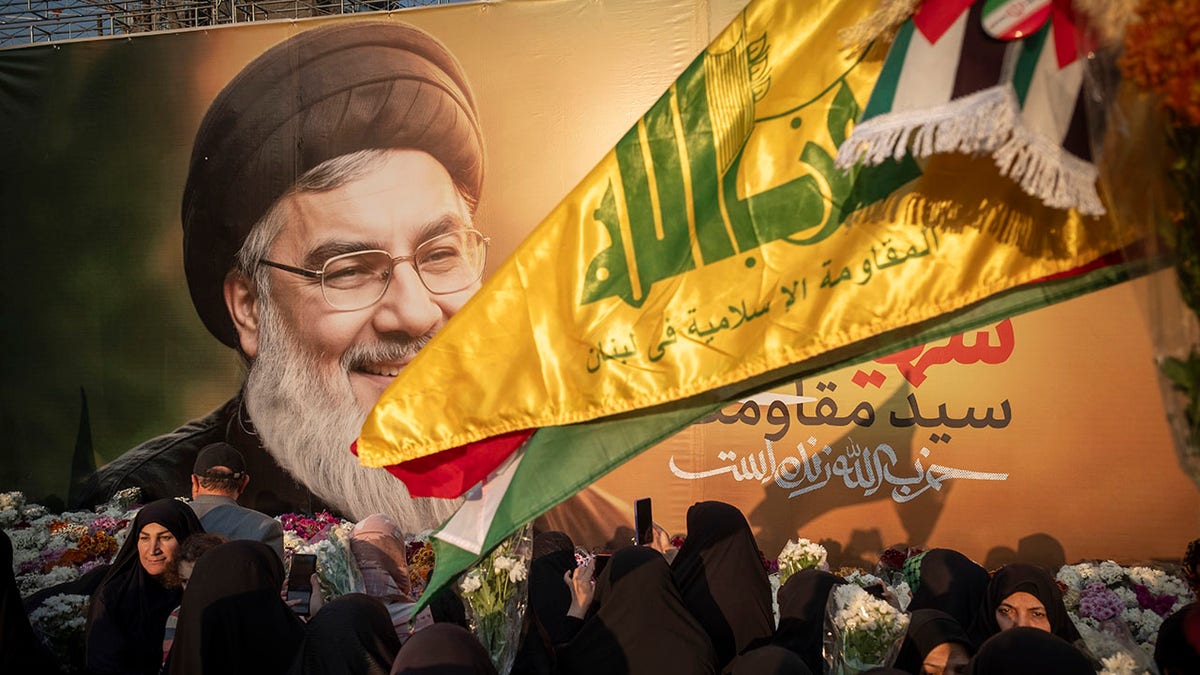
{"x": 495, "y": 593}
{"x": 866, "y": 631}
{"x": 801, "y": 554}
{"x": 328, "y": 538}
{"x": 420, "y": 556}
{"x": 49, "y": 549}
{"x": 1096, "y": 593}
{"x": 1121, "y": 663}
{"x": 1162, "y": 58}
{"x": 60, "y": 621}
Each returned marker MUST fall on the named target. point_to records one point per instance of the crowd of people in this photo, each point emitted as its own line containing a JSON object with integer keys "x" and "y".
{"x": 176, "y": 599}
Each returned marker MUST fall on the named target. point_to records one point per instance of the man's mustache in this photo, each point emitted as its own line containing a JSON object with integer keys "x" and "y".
{"x": 388, "y": 351}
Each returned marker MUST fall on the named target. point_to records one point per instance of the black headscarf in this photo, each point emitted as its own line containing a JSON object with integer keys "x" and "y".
{"x": 720, "y": 574}
{"x": 232, "y": 619}
{"x": 802, "y": 601}
{"x": 1029, "y": 651}
{"x": 352, "y": 635}
{"x": 443, "y": 649}
{"x": 20, "y": 649}
{"x": 129, "y": 610}
{"x": 768, "y": 660}
{"x": 546, "y": 622}
{"x": 928, "y": 628}
{"x": 1177, "y": 649}
{"x": 951, "y": 582}
{"x": 549, "y": 597}
{"x": 1016, "y": 578}
{"x": 639, "y": 623}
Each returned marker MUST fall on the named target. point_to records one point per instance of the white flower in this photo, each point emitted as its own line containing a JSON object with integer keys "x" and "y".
{"x": 471, "y": 582}
{"x": 1069, "y": 576}
{"x": 517, "y": 572}
{"x": 1120, "y": 663}
{"x": 903, "y": 594}
{"x": 503, "y": 563}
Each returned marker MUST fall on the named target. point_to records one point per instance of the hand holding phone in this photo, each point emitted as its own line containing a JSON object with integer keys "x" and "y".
{"x": 643, "y": 522}
{"x": 299, "y": 583}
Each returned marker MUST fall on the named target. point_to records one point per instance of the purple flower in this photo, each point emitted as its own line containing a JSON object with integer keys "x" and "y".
{"x": 1159, "y": 604}
{"x": 1099, "y": 602}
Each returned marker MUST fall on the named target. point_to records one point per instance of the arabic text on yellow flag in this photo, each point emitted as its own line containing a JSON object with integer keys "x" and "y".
{"x": 717, "y": 242}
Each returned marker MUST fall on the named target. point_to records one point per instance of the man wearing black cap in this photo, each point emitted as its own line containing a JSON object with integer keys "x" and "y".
{"x": 328, "y": 234}
{"x": 218, "y": 478}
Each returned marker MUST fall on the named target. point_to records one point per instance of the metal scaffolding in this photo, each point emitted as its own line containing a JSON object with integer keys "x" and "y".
{"x": 24, "y": 22}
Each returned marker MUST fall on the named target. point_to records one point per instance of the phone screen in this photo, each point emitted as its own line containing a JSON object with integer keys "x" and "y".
{"x": 299, "y": 583}
{"x": 601, "y": 561}
{"x": 643, "y": 522}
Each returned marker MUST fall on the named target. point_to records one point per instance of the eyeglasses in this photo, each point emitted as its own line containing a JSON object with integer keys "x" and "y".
{"x": 447, "y": 263}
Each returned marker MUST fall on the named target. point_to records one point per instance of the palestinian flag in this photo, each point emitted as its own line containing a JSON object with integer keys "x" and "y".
{"x": 715, "y": 252}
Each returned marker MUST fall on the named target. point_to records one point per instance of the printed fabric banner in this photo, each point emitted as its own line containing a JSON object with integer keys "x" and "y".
{"x": 717, "y": 243}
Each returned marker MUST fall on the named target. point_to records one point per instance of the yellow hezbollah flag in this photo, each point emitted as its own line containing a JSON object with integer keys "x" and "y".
{"x": 716, "y": 243}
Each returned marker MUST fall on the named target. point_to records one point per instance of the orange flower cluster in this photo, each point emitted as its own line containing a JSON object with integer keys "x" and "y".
{"x": 1162, "y": 55}
{"x": 420, "y": 565}
{"x": 90, "y": 547}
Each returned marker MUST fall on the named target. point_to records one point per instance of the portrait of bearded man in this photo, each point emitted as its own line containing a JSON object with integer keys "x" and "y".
{"x": 328, "y": 235}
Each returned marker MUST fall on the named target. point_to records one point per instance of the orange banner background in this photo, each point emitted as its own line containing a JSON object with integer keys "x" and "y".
{"x": 1091, "y": 469}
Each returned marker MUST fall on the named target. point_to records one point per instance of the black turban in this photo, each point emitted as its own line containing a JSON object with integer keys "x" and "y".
{"x": 324, "y": 93}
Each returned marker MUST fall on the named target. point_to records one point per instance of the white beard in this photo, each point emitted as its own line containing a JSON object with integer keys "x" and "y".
{"x": 308, "y": 418}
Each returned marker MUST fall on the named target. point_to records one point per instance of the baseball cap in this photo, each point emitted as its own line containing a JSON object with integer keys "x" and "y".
{"x": 219, "y": 454}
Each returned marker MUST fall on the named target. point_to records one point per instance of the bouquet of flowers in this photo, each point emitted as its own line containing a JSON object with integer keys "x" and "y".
{"x": 863, "y": 631}
{"x": 60, "y": 621}
{"x": 418, "y": 551}
{"x": 328, "y": 538}
{"x": 801, "y": 554}
{"x": 1100, "y": 593}
{"x": 495, "y": 594}
{"x": 1160, "y": 94}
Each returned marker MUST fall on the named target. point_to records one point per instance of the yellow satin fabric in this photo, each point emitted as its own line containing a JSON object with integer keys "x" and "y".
{"x": 525, "y": 354}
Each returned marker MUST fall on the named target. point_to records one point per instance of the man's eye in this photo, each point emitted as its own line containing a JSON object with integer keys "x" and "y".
{"x": 348, "y": 274}
{"x": 440, "y": 257}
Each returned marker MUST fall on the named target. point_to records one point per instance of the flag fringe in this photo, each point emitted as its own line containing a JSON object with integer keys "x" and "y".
{"x": 984, "y": 122}
{"x": 1047, "y": 171}
{"x": 971, "y": 124}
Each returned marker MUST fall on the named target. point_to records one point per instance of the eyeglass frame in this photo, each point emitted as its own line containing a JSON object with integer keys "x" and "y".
{"x": 411, "y": 259}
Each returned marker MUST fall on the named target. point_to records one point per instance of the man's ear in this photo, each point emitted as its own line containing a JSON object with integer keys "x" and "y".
{"x": 195, "y": 485}
{"x": 242, "y": 303}
{"x": 243, "y": 484}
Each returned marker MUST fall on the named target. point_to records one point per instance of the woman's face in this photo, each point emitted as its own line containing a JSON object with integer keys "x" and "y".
{"x": 1022, "y": 609}
{"x": 948, "y": 658}
{"x": 156, "y": 548}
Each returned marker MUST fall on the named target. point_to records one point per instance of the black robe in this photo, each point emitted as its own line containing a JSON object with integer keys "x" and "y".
{"x": 232, "y": 620}
{"x": 720, "y": 574}
{"x": 638, "y": 623}
{"x": 162, "y": 466}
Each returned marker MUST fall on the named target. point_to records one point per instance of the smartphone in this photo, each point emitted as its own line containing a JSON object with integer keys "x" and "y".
{"x": 643, "y": 522}
{"x": 600, "y": 561}
{"x": 299, "y": 583}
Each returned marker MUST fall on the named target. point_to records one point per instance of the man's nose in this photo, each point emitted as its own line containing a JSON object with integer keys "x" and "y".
{"x": 406, "y": 306}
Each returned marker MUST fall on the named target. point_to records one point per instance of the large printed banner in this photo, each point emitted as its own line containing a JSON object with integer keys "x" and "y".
{"x": 1042, "y": 434}
{"x": 1043, "y": 423}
